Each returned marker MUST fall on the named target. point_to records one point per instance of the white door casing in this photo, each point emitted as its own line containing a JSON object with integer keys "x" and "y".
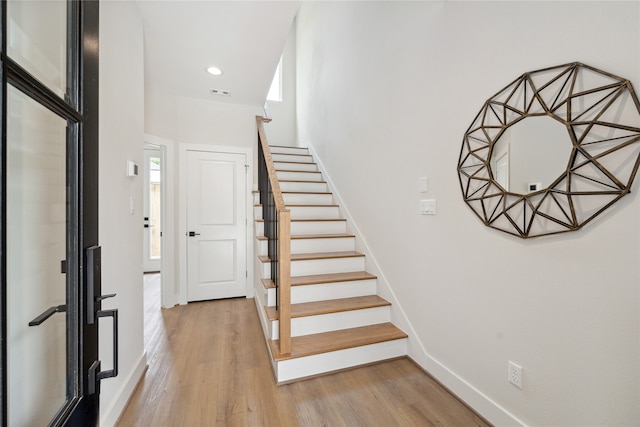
{"x": 216, "y": 225}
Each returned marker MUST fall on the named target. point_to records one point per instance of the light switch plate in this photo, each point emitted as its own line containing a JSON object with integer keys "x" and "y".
{"x": 423, "y": 184}
{"x": 428, "y": 207}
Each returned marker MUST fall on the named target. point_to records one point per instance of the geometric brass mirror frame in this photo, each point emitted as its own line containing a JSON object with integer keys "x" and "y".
{"x": 601, "y": 113}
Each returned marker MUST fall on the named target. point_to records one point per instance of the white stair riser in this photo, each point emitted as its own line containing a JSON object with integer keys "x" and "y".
{"x": 290, "y": 166}
{"x": 265, "y": 271}
{"x": 314, "y": 212}
{"x": 291, "y": 369}
{"x": 327, "y": 266}
{"x": 309, "y": 227}
{"x": 318, "y": 227}
{"x": 262, "y": 246}
{"x": 334, "y": 321}
{"x": 303, "y": 246}
{"x": 302, "y": 187}
{"x": 306, "y": 212}
{"x": 319, "y": 266}
{"x": 289, "y": 150}
{"x": 325, "y": 291}
{"x": 299, "y": 176}
{"x": 291, "y": 158}
{"x": 332, "y": 244}
{"x": 307, "y": 198}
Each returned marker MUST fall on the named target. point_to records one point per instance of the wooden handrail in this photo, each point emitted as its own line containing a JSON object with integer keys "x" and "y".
{"x": 273, "y": 176}
{"x": 284, "y": 243}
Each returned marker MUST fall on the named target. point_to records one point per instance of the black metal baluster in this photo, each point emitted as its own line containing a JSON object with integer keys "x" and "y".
{"x": 270, "y": 216}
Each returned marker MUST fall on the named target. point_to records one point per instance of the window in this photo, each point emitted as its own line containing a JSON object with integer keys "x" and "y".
{"x": 275, "y": 92}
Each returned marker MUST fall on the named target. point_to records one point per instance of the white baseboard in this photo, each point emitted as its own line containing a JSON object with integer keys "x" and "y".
{"x": 470, "y": 395}
{"x": 109, "y": 416}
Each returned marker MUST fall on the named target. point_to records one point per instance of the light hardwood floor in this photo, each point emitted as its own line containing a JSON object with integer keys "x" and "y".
{"x": 209, "y": 366}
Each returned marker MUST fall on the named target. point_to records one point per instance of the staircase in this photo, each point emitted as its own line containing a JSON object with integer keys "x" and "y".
{"x": 337, "y": 320}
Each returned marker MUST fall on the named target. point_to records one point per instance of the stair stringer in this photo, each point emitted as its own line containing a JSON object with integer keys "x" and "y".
{"x": 415, "y": 349}
{"x": 259, "y": 292}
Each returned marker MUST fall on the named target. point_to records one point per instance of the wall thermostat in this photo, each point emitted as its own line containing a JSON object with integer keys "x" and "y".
{"x": 132, "y": 168}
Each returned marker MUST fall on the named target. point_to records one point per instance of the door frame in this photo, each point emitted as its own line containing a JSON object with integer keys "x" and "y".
{"x": 81, "y": 112}
{"x": 182, "y": 209}
{"x": 168, "y": 293}
{"x": 146, "y": 203}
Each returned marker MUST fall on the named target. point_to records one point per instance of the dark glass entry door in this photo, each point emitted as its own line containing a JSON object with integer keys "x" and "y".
{"x": 50, "y": 265}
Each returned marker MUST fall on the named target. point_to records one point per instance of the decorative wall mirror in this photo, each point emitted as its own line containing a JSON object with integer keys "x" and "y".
{"x": 551, "y": 151}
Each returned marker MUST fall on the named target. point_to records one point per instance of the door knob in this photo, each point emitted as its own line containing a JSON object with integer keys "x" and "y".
{"x": 193, "y": 233}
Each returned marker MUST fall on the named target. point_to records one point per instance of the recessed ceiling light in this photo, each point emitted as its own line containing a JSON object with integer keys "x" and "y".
{"x": 214, "y": 71}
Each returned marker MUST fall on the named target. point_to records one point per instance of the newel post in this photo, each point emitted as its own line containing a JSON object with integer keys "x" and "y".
{"x": 284, "y": 274}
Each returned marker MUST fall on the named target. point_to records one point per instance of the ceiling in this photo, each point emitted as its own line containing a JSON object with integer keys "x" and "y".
{"x": 243, "y": 38}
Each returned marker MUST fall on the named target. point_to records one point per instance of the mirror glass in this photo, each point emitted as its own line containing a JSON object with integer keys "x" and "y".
{"x": 531, "y": 154}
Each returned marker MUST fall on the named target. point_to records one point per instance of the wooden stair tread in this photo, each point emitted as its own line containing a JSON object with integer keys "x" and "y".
{"x": 293, "y": 163}
{"x": 288, "y": 146}
{"x": 331, "y": 278}
{"x": 311, "y": 206}
{"x": 297, "y": 180}
{"x": 325, "y": 255}
{"x": 330, "y": 306}
{"x": 308, "y": 345}
{"x": 291, "y": 154}
{"x": 297, "y": 170}
{"x": 317, "y": 219}
{"x": 317, "y": 255}
{"x": 306, "y": 205}
{"x": 314, "y": 236}
{"x": 308, "y": 219}
{"x": 306, "y": 192}
{"x": 319, "y": 279}
{"x": 321, "y": 236}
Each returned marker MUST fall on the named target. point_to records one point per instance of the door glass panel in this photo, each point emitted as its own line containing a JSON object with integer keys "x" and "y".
{"x": 37, "y": 40}
{"x": 36, "y": 244}
{"x": 154, "y": 207}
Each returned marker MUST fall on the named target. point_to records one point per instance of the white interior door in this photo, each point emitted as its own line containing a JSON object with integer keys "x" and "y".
{"x": 152, "y": 246}
{"x": 216, "y": 225}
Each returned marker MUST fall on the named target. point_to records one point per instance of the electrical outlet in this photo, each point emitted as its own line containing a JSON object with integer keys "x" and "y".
{"x": 515, "y": 374}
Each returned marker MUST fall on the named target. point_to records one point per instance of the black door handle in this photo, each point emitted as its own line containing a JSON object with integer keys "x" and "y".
{"x": 95, "y": 374}
{"x": 100, "y": 298}
{"x": 48, "y": 313}
{"x": 113, "y": 372}
{"x": 193, "y": 233}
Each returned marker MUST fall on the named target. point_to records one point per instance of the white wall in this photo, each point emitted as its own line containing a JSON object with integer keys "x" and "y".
{"x": 121, "y": 139}
{"x": 386, "y": 91}
{"x": 282, "y": 129}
